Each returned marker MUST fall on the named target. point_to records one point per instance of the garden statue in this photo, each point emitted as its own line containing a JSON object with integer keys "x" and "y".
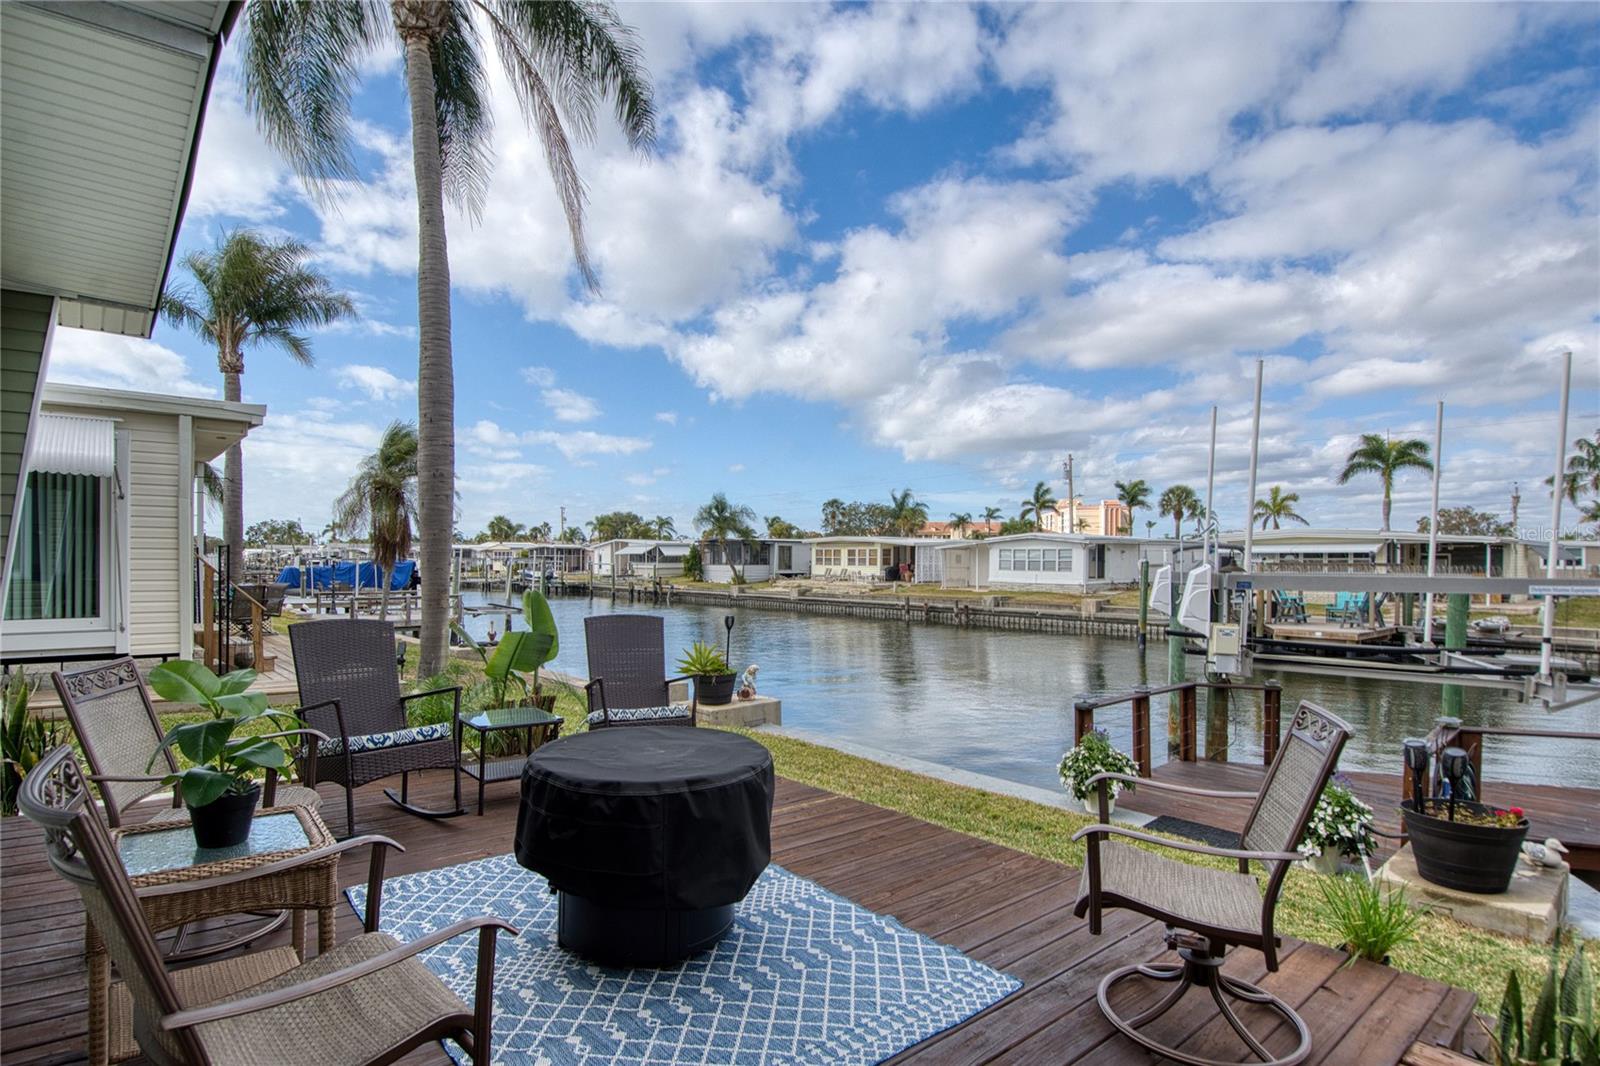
{"x": 1547, "y": 854}
{"x": 747, "y": 684}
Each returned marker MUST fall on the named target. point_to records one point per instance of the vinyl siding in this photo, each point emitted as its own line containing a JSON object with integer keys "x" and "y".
{"x": 24, "y": 321}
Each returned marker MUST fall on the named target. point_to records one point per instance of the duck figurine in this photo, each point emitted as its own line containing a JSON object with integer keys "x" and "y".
{"x": 1547, "y": 854}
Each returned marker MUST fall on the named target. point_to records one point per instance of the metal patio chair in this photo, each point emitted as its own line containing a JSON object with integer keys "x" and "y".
{"x": 1208, "y": 911}
{"x": 369, "y": 1000}
{"x": 350, "y": 690}
{"x": 628, "y": 682}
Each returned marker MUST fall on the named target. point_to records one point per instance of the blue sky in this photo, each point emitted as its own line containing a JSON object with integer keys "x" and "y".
{"x": 941, "y": 247}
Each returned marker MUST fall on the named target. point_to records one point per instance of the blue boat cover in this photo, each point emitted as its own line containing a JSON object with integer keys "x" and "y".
{"x": 359, "y": 575}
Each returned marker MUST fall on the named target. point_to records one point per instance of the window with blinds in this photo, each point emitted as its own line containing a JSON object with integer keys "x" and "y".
{"x": 55, "y": 570}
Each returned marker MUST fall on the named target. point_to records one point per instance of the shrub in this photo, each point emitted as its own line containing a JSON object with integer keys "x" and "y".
{"x": 24, "y": 742}
{"x": 1370, "y": 925}
{"x": 1340, "y": 821}
{"x": 1562, "y": 1029}
{"x": 1095, "y": 755}
{"x": 693, "y": 568}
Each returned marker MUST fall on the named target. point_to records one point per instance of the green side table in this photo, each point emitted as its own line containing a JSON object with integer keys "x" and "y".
{"x": 539, "y": 727}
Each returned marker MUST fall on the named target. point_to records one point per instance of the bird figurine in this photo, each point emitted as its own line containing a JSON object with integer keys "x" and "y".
{"x": 747, "y": 686}
{"x": 1547, "y": 854}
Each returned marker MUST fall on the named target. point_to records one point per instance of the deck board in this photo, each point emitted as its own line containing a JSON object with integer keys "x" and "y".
{"x": 1008, "y": 909}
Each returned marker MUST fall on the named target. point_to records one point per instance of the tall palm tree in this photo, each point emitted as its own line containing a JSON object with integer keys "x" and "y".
{"x": 562, "y": 57}
{"x": 663, "y": 527}
{"x": 1583, "y": 469}
{"x": 726, "y": 522}
{"x": 1134, "y": 495}
{"x": 961, "y": 523}
{"x": 907, "y": 514}
{"x": 383, "y": 498}
{"x": 1278, "y": 507}
{"x": 247, "y": 291}
{"x": 991, "y": 515}
{"x": 1036, "y": 505}
{"x": 1179, "y": 502}
{"x": 1384, "y": 457}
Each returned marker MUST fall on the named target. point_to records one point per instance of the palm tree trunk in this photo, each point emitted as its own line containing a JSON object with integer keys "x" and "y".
{"x": 385, "y": 575}
{"x": 233, "y": 490}
{"x": 435, "y": 375}
{"x": 1388, "y": 487}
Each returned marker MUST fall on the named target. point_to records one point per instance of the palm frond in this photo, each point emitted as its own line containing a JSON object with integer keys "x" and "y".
{"x": 460, "y": 97}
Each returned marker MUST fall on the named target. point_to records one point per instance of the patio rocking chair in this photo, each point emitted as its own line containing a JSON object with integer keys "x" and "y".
{"x": 627, "y": 673}
{"x": 369, "y": 1000}
{"x": 1208, "y": 911}
{"x": 111, "y": 713}
{"x": 350, "y": 690}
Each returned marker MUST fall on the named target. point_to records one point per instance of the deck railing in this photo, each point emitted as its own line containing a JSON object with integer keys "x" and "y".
{"x": 1138, "y": 701}
{"x": 1471, "y": 738}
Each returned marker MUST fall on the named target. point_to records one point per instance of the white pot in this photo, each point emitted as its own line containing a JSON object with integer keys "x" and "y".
{"x": 1091, "y": 803}
{"x": 1326, "y": 864}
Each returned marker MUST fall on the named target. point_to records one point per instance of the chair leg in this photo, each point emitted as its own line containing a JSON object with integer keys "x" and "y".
{"x": 349, "y": 810}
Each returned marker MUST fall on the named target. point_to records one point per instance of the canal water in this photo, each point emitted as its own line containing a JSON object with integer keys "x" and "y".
{"x": 1000, "y": 702}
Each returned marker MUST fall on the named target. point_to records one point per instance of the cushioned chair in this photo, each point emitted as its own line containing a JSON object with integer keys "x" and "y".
{"x": 369, "y": 1000}
{"x": 350, "y": 690}
{"x": 628, "y": 682}
{"x": 1208, "y": 911}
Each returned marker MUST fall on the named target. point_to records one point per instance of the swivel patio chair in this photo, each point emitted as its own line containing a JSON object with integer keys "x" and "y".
{"x": 350, "y": 690}
{"x": 369, "y": 1000}
{"x": 628, "y": 682}
{"x": 1208, "y": 911}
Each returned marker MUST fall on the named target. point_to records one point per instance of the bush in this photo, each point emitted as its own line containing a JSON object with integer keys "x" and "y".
{"x": 1340, "y": 821}
{"x": 1095, "y": 755}
{"x": 1370, "y": 925}
{"x": 693, "y": 568}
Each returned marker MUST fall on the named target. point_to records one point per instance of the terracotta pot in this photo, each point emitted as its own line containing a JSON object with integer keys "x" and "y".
{"x": 225, "y": 821}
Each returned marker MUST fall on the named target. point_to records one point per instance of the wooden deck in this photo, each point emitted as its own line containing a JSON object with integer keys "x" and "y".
{"x": 1008, "y": 909}
{"x": 1572, "y": 815}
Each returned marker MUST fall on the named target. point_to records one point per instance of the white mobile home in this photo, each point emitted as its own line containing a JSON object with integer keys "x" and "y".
{"x": 759, "y": 560}
{"x": 1059, "y": 561}
{"x": 866, "y": 557}
{"x": 103, "y": 560}
{"x": 638, "y": 558}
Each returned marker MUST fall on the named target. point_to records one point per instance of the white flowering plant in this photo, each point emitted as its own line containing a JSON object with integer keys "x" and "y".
{"x": 1095, "y": 755}
{"x": 1340, "y": 821}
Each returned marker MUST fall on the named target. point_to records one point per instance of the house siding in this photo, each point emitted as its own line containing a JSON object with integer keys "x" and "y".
{"x": 24, "y": 325}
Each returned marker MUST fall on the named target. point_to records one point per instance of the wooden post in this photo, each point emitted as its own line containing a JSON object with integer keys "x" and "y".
{"x": 1271, "y": 724}
{"x": 1186, "y": 723}
{"x": 1082, "y": 720}
{"x": 1141, "y": 729}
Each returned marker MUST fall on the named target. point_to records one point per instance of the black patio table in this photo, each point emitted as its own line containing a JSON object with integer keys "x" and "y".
{"x": 649, "y": 835}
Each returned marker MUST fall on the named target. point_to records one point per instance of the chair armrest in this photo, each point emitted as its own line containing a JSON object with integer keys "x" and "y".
{"x": 293, "y": 862}
{"x": 269, "y": 795}
{"x": 1195, "y": 848}
{"x": 681, "y": 677}
{"x": 184, "y": 1019}
{"x": 118, "y": 779}
{"x": 1150, "y": 782}
{"x": 432, "y": 692}
{"x": 595, "y": 687}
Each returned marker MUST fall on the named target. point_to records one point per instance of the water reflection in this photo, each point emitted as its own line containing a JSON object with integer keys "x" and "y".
{"x": 1001, "y": 702}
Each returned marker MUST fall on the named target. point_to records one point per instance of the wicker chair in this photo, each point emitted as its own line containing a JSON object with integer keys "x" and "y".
{"x": 369, "y": 1000}
{"x": 628, "y": 682}
{"x": 1208, "y": 911}
{"x": 349, "y": 689}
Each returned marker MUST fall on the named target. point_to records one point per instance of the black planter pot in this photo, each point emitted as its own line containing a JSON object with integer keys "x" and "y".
{"x": 714, "y": 690}
{"x": 225, "y": 821}
{"x": 1470, "y": 858}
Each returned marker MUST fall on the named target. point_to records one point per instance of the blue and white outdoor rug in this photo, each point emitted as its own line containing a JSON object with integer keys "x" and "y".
{"x": 804, "y": 976}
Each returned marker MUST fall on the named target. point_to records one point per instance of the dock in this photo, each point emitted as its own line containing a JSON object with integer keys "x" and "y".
{"x": 1333, "y": 632}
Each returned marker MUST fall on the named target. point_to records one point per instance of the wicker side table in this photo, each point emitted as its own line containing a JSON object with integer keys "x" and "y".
{"x": 164, "y": 854}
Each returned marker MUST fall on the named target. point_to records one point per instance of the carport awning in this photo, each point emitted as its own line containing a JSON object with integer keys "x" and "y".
{"x": 72, "y": 444}
{"x": 1330, "y": 548}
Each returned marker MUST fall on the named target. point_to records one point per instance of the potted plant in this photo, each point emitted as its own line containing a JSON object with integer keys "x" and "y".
{"x": 220, "y": 788}
{"x": 1563, "y": 1029}
{"x": 1341, "y": 825}
{"x": 1369, "y": 924}
{"x": 713, "y": 681}
{"x": 520, "y": 653}
{"x": 1464, "y": 845}
{"x": 1095, "y": 755}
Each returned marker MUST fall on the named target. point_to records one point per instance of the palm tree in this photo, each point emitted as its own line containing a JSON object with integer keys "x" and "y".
{"x": 1134, "y": 495}
{"x": 1179, "y": 502}
{"x": 961, "y": 523}
{"x": 1583, "y": 469}
{"x": 1386, "y": 458}
{"x": 1036, "y": 505}
{"x": 383, "y": 498}
{"x": 726, "y": 522}
{"x": 907, "y": 514}
{"x": 663, "y": 528}
{"x": 991, "y": 515}
{"x": 571, "y": 535}
{"x": 539, "y": 533}
{"x": 1277, "y": 508}
{"x": 250, "y": 290}
{"x": 301, "y": 63}
{"x": 502, "y": 528}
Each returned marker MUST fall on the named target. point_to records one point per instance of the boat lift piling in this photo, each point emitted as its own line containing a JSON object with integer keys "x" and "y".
{"x": 1558, "y": 485}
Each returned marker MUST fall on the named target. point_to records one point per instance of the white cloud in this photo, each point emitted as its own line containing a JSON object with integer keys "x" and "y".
{"x": 736, "y": 468}
{"x": 569, "y": 406}
{"x": 89, "y": 357}
{"x": 669, "y": 417}
{"x": 486, "y": 437}
{"x": 236, "y": 173}
{"x": 297, "y": 462}
{"x": 375, "y": 381}
{"x": 540, "y": 377}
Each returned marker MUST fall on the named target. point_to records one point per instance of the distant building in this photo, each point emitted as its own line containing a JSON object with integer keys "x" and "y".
{"x": 865, "y": 557}
{"x": 638, "y": 558}
{"x": 1065, "y": 562}
{"x": 759, "y": 560}
{"x": 948, "y": 530}
{"x": 1108, "y": 518}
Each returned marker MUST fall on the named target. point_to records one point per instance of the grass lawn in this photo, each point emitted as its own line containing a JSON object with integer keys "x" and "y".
{"x": 1443, "y": 950}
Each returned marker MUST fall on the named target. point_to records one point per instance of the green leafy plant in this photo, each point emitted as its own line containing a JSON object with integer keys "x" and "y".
{"x": 24, "y": 742}
{"x": 693, "y": 567}
{"x": 520, "y": 652}
{"x": 1340, "y": 821}
{"x": 223, "y": 762}
{"x": 1370, "y": 924}
{"x": 1562, "y": 1029}
{"x": 1095, "y": 755}
{"x": 703, "y": 660}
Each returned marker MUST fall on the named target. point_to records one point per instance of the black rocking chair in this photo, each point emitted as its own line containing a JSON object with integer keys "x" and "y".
{"x": 628, "y": 682}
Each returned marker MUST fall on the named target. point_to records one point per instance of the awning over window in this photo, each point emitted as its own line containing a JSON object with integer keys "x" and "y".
{"x": 1329, "y": 548}
{"x": 71, "y": 444}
